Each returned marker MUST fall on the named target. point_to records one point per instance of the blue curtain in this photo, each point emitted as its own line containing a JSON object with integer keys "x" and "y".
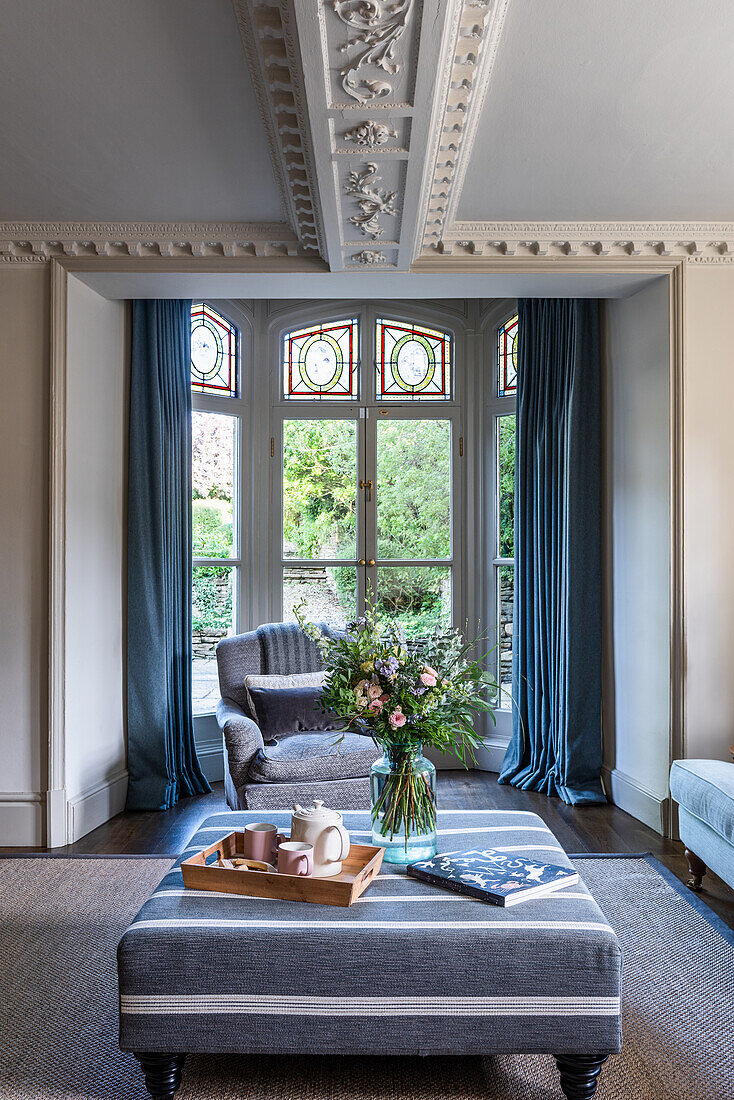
{"x": 162, "y": 763}
{"x": 556, "y": 741}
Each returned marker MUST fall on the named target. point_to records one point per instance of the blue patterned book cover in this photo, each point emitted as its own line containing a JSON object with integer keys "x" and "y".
{"x": 493, "y": 876}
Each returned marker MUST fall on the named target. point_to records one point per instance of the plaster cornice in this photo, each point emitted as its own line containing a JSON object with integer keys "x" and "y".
{"x": 41, "y": 241}
{"x": 698, "y": 242}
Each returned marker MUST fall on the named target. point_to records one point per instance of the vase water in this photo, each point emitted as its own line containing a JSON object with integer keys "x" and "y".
{"x": 403, "y": 790}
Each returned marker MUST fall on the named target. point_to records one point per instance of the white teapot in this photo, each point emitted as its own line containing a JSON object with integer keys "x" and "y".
{"x": 323, "y": 828}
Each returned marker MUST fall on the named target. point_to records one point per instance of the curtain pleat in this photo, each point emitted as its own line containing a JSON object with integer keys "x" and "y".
{"x": 556, "y": 740}
{"x": 162, "y": 761}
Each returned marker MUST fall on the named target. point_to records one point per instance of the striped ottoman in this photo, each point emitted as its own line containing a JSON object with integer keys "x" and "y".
{"x": 408, "y": 969}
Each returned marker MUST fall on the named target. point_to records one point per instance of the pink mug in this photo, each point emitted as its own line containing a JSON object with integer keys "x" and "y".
{"x": 295, "y": 857}
{"x": 260, "y": 841}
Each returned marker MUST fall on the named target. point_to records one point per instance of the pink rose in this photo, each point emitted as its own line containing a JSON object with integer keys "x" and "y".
{"x": 428, "y": 679}
{"x": 397, "y": 718}
{"x": 430, "y": 671}
{"x": 374, "y": 691}
{"x": 375, "y": 706}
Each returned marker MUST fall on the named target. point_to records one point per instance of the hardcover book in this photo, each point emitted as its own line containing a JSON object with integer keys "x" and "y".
{"x": 493, "y": 876}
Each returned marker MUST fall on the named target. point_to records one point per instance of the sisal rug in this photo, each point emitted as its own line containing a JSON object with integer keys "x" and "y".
{"x": 61, "y": 920}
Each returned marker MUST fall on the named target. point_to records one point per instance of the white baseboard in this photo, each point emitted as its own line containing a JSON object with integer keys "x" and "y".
{"x": 489, "y": 758}
{"x": 644, "y": 805}
{"x": 21, "y": 819}
{"x": 91, "y": 808}
{"x": 443, "y": 761}
{"x": 211, "y": 758}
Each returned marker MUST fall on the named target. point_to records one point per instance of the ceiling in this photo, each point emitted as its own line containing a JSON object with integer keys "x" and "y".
{"x": 127, "y": 110}
{"x": 618, "y": 110}
{"x": 380, "y": 136}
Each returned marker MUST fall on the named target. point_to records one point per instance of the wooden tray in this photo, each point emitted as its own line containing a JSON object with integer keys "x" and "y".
{"x": 358, "y": 870}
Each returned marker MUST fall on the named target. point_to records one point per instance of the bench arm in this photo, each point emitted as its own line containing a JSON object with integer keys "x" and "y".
{"x": 242, "y": 738}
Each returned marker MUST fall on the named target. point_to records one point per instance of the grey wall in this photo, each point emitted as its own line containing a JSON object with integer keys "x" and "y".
{"x": 709, "y": 511}
{"x": 96, "y": 475}
{"x": 637, "y": 553}
{"x": 24, "y": 367}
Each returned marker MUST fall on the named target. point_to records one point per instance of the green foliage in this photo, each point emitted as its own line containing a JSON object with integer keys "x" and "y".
{"x": 507, "y": 434}
{"x": 211, "y": 528}
{"x": 211, "y": 607}
{"x": 414, "y": 488}
{"x": 405, "y": 694}
{"x": 212, "y": 452}
{"x": 414, "y": 473}
{"x": 319, "y": 463}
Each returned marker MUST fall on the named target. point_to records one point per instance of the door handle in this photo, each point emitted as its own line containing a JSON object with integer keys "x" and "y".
{"x": 361, "y": 562}
{"x": 371, "y": 561}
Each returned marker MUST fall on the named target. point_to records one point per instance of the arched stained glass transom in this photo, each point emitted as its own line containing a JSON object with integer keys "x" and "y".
{"x": 507, "y": 358}
{"x": 214, "y": 353}
{"x": 322, "y": 361}
{"x": 412, "y": 362}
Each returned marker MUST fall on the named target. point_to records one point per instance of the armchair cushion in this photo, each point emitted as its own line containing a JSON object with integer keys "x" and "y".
{"x": 290, "y": 709}
{"x": 275, "y": 680}
{"x": 316, "y": 755}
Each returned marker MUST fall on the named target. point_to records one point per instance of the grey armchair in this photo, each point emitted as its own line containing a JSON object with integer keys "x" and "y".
{"x": 300, "y": 765}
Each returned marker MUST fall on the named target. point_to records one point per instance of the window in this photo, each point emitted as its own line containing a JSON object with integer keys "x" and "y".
{"x": 216, "y": 430}
{"x": 214, "y": 353}
{"x": 321, "y": 361}
{"x": 507, "y": 358}
{"x": 504, "y": 464}
{"x": 412, "y": 362}
{"x": 367, "y": 493}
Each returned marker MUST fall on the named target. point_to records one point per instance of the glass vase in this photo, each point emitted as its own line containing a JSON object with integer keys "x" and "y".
{"x": 403, "y": 790}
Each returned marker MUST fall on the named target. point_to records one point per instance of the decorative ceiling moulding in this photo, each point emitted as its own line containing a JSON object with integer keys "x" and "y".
{"x": 461, "y": 89}
{"x": 369, "y": 72}
{"x": 267, "y": 29}
{"x": 375, "y": 26}
{"x": 370, "y": 137}
{"x": 699, "y": 242}
{"x": 42, "y": 241}
{"x": 371, "y": 257}
{"x": 373, "y": 201}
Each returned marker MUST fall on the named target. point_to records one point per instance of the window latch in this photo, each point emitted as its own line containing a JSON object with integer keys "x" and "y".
{"x": 367, "y": 486}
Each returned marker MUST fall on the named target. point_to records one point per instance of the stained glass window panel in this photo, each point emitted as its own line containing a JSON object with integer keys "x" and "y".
{"x": 412, "y": 362}
{"x": 507, "y": 359}
{"x": 213, "y": 353}
{"x": 322, "y": 361}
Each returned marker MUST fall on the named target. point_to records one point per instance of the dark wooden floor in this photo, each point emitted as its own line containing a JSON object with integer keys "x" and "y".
{"x": 588, "y": 829}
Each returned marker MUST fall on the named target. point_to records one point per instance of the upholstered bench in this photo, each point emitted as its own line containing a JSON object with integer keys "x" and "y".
{"x": 704, "y": 791}
{"x": 408, "y": 969}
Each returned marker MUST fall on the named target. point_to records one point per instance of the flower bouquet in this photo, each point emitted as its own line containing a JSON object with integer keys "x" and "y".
{"x": 405, "y": 695}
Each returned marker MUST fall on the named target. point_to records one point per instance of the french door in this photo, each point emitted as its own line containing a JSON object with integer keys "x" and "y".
{"x": 366, "y": 500}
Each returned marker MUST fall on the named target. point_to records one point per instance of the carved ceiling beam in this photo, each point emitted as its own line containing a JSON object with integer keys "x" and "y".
{"x": 268, "y": 36}
{"x": 461, "y": 88}
{"x": 369, "y": 70}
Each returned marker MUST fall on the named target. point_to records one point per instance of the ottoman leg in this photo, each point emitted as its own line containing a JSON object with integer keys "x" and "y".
{"x": 697, "y": 868}
{"x": 579, "y": 1075}
{"x": 162, "y": 1073}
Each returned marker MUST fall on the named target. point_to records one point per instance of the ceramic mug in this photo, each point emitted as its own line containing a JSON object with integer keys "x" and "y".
{"x": 295, "y": 858}
{"x": 260, "y": 841}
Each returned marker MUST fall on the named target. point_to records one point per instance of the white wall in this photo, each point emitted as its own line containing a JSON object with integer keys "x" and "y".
{"x": 637, "y": 553}
{"x": 24, "y": 372}
{"x": 96, "y": 426}
{"x": 709, "y": 511}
